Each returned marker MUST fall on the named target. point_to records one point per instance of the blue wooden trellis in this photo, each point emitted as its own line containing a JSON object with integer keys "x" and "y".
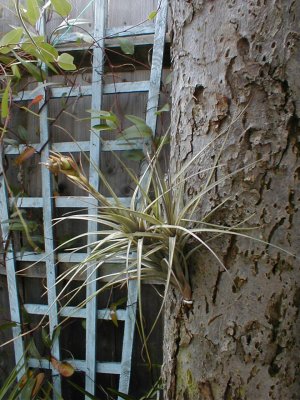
{"x": 90, "y": 366}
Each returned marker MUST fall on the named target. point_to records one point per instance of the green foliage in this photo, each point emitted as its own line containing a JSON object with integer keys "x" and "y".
{"x": 139, "y": 129}
{"x": 24, "y": 383}
{"x": 22, "y": 50}
{"x": 65, "y": 61}
{"x": 19, "y": 221}
{"x": 153, "y": 236}
{"x": 11, "y": 40}
{"x": 165, "y": 108}
{"x": 109, "y": 121}
{"x": 151, "y": 395}
{"x": 31, "y": 386}
{"x": 5, "y": 101}
{"x": 152, "y": 15}
{"x": 62, "y": 7}
{"x": 126, "y": 46}
{"x": 32, "y": 12}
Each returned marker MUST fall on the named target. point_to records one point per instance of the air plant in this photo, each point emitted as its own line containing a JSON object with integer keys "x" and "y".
{"x": 149, "y": 237}
{"x": 156, "y": 236}
{"x": 153, "y": 236}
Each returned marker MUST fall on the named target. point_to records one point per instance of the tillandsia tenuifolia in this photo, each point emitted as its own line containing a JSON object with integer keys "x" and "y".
{"x": 157, "y": 235}
{"x": 149, "y": 236}
{"x": 152, "y": 236}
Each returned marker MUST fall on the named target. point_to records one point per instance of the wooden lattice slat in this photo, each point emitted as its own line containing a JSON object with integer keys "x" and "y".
{"x": 85, "y": 90}
{"x": 95, "y": 148}
{"x": 71, "y": 147}
{"x": 49, "y": 260}
{"x": 10, "y": 266}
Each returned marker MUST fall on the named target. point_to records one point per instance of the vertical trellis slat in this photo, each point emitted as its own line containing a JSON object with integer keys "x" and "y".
{"x": 156, "y": 66}
{"x": 10, "y": 264}
{"x": 151, "y": 119}
{"x": 50, "y": 259}
{"x": 128, "y": 338}
{"x": 97, "y": 89}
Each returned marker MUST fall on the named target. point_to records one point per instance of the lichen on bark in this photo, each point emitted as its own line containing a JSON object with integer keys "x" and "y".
{"x": 240, "y": 340}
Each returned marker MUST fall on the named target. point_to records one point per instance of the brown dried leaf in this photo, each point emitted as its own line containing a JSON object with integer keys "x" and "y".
{"x": 25, "y": 155}
{"x": 25, "y": 378}
{"x": 63, "y": 367}
{"x": 36, "y": 100}
{"x": 114, "y": 317}
{"x": 39, "y": 380}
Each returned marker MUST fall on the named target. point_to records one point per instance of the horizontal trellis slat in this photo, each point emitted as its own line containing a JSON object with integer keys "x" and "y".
{"x": 62, "y": 201}
{"x": 74, "y": 312}
{"x": 74, "y": 147}
{"x": 110, "y": 33}
{"x": 145, "y": 29}
{"x": 56, "y": 91}
{"x": 79, "y": 365}
{"x": 66, "y": 257}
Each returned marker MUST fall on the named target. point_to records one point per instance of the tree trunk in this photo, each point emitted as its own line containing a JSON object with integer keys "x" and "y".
{"x": 241, "y": 338}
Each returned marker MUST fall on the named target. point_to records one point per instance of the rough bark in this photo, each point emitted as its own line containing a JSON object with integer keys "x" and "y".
{"x": 241, "y": 339}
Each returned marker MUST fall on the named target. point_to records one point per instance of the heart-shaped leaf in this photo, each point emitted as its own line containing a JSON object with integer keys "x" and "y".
{"x": 65, "y": 61}
{"x": 139, "y": 130}
{"x": 126, "y": 46}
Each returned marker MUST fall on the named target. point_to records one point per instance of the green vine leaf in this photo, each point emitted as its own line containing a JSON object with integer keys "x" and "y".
{"x": 103, "y": 127}
{"x": 65, "y": 61}
{"x": 134, "y": 155}
{"x": 32, "y": 349}
{"x": 169, "y": 78}
{"x": 46, "y": 339}
{"x": 5, "y": 101}
{"x": 152, "y": 15}
{"x": 10, "y": 40}
{"x": 136, "y": 132}
{"x": 32, "y": 12}
{"x": 139, "y": 130}
{"x": 16, "y": 71}
{"x": 126, "y": 46}
{"x": 62, "y": 7}
{"x": 33, "y": 70}
{"x": 8, "y": 325}
{"x": 165, "y": 108}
